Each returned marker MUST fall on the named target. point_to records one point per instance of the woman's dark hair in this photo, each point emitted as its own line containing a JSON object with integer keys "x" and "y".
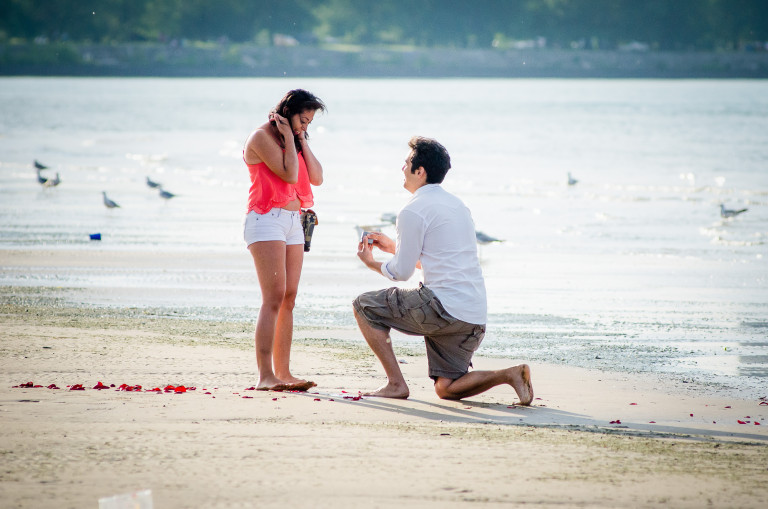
{"x": 298, "y": 101}
{"x": 430, "y": 155}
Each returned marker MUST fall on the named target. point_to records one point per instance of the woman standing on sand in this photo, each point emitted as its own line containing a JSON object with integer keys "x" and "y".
{"x": 281, "y": 167}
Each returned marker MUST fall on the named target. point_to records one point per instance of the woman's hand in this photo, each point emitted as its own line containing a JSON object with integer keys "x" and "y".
{"x": 283, "y": 126}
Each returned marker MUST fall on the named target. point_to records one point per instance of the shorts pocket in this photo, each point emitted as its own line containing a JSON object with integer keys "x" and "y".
{"x": 472, "y": 343}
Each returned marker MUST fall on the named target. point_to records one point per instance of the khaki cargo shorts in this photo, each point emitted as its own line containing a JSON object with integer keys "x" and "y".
{"x": 450, "y": 342}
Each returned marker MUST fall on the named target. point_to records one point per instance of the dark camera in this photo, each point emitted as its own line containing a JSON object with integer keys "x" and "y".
{"x": 308, "y": 222}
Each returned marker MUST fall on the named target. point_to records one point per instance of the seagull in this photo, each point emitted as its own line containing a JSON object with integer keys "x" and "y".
{"x": 40, "y": 166}
{"x": 41, "y": 179}
{"x": 107, "y": 202}
{"x": 152, "y": 184}
{"x": 571, "y": 181}
{"x": 482, "y": 238}
{"x": 52, "y": 182}
{"x": 724, "y": 212}
{"x": 166, "y": 194}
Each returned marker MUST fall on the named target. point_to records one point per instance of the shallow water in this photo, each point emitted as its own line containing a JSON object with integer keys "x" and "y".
{"x": 630, "y": 269}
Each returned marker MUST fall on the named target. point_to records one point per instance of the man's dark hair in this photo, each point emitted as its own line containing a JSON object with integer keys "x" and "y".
{"x": 430, "y": 155}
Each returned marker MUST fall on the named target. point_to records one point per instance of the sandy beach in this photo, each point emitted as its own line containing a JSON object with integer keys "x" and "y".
{"x": 591, "y": 438}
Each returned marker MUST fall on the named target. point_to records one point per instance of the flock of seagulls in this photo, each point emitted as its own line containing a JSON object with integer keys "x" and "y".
{"x": 47, "y": 182}
{"x": 389, "y": 218}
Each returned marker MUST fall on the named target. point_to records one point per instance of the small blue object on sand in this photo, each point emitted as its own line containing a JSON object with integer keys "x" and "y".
{"x": 95, "y": 236}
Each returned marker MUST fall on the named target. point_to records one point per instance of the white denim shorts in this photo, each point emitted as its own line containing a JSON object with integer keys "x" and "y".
{"x": 277, "y": 224}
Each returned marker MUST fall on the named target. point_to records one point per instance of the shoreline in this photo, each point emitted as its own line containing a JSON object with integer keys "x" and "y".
{"x": 221, "y": 445}
{"x": 189, "y": 59}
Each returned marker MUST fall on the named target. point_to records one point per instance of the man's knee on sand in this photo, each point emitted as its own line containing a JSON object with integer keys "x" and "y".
{"x": 442, "y": 388}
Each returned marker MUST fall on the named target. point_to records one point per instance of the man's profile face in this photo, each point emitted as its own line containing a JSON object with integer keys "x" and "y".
{"x": 411, "y": 181}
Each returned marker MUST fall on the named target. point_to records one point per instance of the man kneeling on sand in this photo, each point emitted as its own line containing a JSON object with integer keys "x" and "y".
{"x": 435, "y": 232}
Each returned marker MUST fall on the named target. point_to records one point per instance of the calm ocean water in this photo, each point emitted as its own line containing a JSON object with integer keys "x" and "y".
{"x": 630, "y": 269}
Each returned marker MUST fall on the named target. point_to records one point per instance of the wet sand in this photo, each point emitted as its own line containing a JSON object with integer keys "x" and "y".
{"x": 590, "y": 439}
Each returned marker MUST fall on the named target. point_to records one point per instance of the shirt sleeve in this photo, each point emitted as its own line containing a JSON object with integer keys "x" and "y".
{"x": 410, "y": 240}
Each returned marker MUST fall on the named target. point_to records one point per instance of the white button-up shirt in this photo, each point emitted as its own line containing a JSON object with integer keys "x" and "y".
{"x": 437, "y": 228}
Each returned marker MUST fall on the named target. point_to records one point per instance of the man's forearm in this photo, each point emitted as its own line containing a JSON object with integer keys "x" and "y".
{"x": 375, "y": 266}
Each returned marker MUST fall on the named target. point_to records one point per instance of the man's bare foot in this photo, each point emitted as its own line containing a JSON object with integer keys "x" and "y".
{"x": 390, "y": 390}
{"x": 520, "y": 380}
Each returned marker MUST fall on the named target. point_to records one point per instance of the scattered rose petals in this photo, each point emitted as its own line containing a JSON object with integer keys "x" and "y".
{"x": 251, "y": 389}
{"x": 617, "y": 421}
{"x": 317, "y": 399}
{"x": 207, "y": 393}
{"x": 691, "y": 415}
{"x": 633, "y": 404}
{"x": 740, "y": 421}
{"x": 170, "y": 388}
{"x": 652, "y": 422}
{"x": 77, "y": 387}
{"x": 757, "y": 423}
{"x": 180, "y": 389}
{"x": 100, "y": 386}
{"x": 274, "y": 399}
{"x": 247, "y": 397}
{"x": 764, "y": 402}
{"x": 52, "y": 386}
{"x": 729, "y": 406}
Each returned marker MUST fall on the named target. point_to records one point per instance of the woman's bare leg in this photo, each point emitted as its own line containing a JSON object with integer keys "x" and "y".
{"x": 269, "y": 259}
{"x": 294, "y": 258}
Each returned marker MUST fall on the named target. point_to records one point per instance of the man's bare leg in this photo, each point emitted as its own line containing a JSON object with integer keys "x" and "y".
{"x": 476, "y": 382}
{"x": 381, "y": 345}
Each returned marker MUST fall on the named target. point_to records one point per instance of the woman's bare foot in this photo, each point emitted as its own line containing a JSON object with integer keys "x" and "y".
{"x": 271, "y": 383}
{"x": 290, "y": 379}
{"x": 520, "y": 380}
{"x": 390, "y": 390}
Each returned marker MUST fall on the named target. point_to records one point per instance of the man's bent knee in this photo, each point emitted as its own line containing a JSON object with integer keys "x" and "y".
{"x": 442, "y": 388}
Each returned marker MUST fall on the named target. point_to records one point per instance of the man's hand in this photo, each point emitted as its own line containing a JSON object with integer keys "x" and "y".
{"x": 381, "y": 241}
{"x": 365, "y": 253}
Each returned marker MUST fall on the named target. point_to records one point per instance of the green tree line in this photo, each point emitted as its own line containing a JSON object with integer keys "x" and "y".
{"x": 661, "y": 24}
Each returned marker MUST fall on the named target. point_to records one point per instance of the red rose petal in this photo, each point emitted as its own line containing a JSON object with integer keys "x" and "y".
{"x": 318, "y": 399}
{"x": 617, "y": 421}
{"x": 691, "y": 415}
{"x": 274, "y": 399}
{"x": 100, "y": 386}
{"x": 764, "y": 402}
{"x": 180, "y": 389}
{"x": 740, "y": 422}
{"x": 632, "y": 404}
{"x": 77, "y": 387}
{"x": 757, "y": 423}
{"x": 729, "y": 406}
{"x": 651, "y": 422}
{"x": 247, "y": 397}
{"x": 52, "y": 386}
{"x": 251, "y": 389}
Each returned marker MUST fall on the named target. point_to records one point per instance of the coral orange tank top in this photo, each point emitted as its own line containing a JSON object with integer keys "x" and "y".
{"x": 268, "y": 191}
